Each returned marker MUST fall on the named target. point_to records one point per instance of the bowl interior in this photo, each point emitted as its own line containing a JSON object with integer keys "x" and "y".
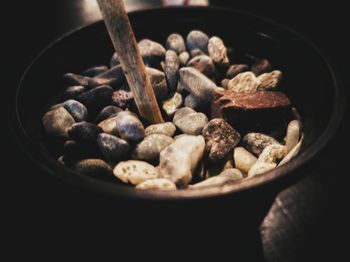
{"x": 308, "y": 80}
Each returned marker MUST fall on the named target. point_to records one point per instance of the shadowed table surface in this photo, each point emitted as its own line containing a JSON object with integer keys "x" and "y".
{"x": 305, "y": 221}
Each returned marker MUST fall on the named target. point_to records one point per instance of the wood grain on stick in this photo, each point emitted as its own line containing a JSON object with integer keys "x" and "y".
{"x": 124, "y": 42}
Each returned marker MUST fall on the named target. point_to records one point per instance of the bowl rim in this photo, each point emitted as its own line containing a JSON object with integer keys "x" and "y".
{"x": 57, "y": 169}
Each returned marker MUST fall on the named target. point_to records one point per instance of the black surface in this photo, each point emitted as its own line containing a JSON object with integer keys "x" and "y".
{"x": 307, "y": 221}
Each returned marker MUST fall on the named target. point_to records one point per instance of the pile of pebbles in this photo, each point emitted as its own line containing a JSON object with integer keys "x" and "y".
{"x": 214, "y": 111}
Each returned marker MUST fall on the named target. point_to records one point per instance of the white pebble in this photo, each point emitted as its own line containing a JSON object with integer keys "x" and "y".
{"x": 157, "y": 184}
{"x": 293, "y": 134}
{"x": 135, "y": 171}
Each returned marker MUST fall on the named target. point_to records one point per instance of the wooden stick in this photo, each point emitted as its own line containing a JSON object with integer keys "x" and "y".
{"x": 123, "y": 39}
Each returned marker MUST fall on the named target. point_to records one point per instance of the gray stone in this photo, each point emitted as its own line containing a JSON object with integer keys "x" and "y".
{"x": 106, "y": 112}
{"x": 114, "y": 60}
{"x": 76, "y": 80}
{"x": 172, "y": 104}
{"x": 203, "y": 64}
{"x": 135, "y": 171}
{"x": 113, "y": 77}
{"x": 113, "y": 148}
{"x": 176, "y": 43}
{"x": 179, "y": 159}
{"x": 220, "y": 138}
{"x": 167, "y": 129}
{"x": 197, "y": 40}
{"x": 94, "y": 71}
{"x": 94, "y": 167}
{"x": 151, "y": 51}
{"x": 158, "y": 82}
{"x": 97, "y": 97}
{"x": 123, "y": 99}
{"x": 256, "y": 142}
{"x": 72, "y": 92}
{"x": 76, "y": 109}
{"x": 217, "y": 51}
{"x": 84, "y": 131}
{"x": 236, "y": 69}
{"x": 198, "y": 85}
{"x": 261, "y": 66}
{"x": 197, "y": 52}
{"x": 150, "y": 148}
{"x": 171, "y": 66}
{"x": 189, "y": 121}
{"x": 129, "y": 127}
{"x": 57, "y": 122}
{"x": 74, "y": 150}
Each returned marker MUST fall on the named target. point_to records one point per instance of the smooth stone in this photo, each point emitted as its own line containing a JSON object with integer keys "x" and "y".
{"x": 293, "y": 134}
{"x": 123, "y": 99}
{"x": 176, "y": 43}
{"x": 84, "y": 131}
{"x": 74, "y": 150}
{"x": 94, "y": 167}
{"x": 106, "y": 112}
{"x": 150, "y": 147}
{"x": 197, "y": 52}
{"x": 225, "y": 177}
{"x": 158, "y": 82}
{"x": 217, "y": 51}
{"x": 261, "y": 66}
{"x": 260, "y": 168}
{"x": 113, "y": 77}
{"x": 167, "y": 129}
{"x": 114, "y": 60}
{"x": 203, "y": 64}
{"x": 197, "y": 40}
{"x": 156, "y": 184}
{"x": 76, "y": 80}
{"x": 172, "y": 104}
{"x": 78, "y": 111}
{"x": 189, "y": 121}
{"x": 273, "y": 153}
{"x": 95, "y": 70}
{"x": 97, "y": 97}
{"x": 220, "y": 138}
{"x": 256, "y": 142}
{"x": 129, "y": 127}
{"x": 183, "y": 58}
{"x": 178, "y": 160}
{"x": 151, "y": 51}
{"x": 109, "y": 125}
{"x": 270, "y": 81}
{"x": 236, "y": 69}
{"x": 135, "y": 171}
{"x": 244, "y": 82}
{"x": 292, "y": 153}
{"x": 171, "y": 66}
{"x": 57, "y": 122}
{"x": 197, "y": 84}
{"x": 243, "y": 159}
{"x": 113, "y": 148}
{"x": 224, "y": 83}
{"x": 72, "y": 92}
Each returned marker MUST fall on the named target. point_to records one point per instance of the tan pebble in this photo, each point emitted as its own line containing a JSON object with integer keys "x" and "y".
{"x": 135, "y": 171}
{"x": 157, "y": 184}
{"x": 245, "y": 82}
{"x": 270, "y": 81}
{"x": 293, "y": 134}
{"x": 243, "y": 159}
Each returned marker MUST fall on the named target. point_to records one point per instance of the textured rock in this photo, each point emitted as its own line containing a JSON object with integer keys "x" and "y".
{"x": 76, "y": 109}
{"x": 244, "y": 82}
{"x": 270, "y": 81}
{"x": 257, "y": 142}
{"x": 243, "y": 159}
{"x": 113, "y": 148}
{"x": 122, "y": 98}
{"x": 176, "y": 43}
{"x": 94, "y": 71}
{"x": 293, "y": 134}
{"x": 171, "y": 66}
{"x": 197, "y": 40}
{"x": 172, "y": 104}
{"x": 151, "y": 51}
{"x": 236, "y": 69}
{"x": 167, "y": 129}
{"x": 189, "y": 121}
{"x": 220, "y": 138}
{"x": 217, "y": 51}
{"x": 203, "y": 64}
{"x": 179, "y": 160}
{"x": 135, "y": 171}
{"x": 57, "y": 122}
{"x": 150, "y": 148}
{"x": 157, "y": 184}
{"x": 183, "y": 58}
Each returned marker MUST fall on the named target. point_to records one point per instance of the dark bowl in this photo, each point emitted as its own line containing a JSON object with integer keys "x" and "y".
{"x": 309, "y": 81}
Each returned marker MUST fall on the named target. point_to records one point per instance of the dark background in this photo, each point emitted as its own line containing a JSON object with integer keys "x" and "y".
{"x": 45, "y": 218}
